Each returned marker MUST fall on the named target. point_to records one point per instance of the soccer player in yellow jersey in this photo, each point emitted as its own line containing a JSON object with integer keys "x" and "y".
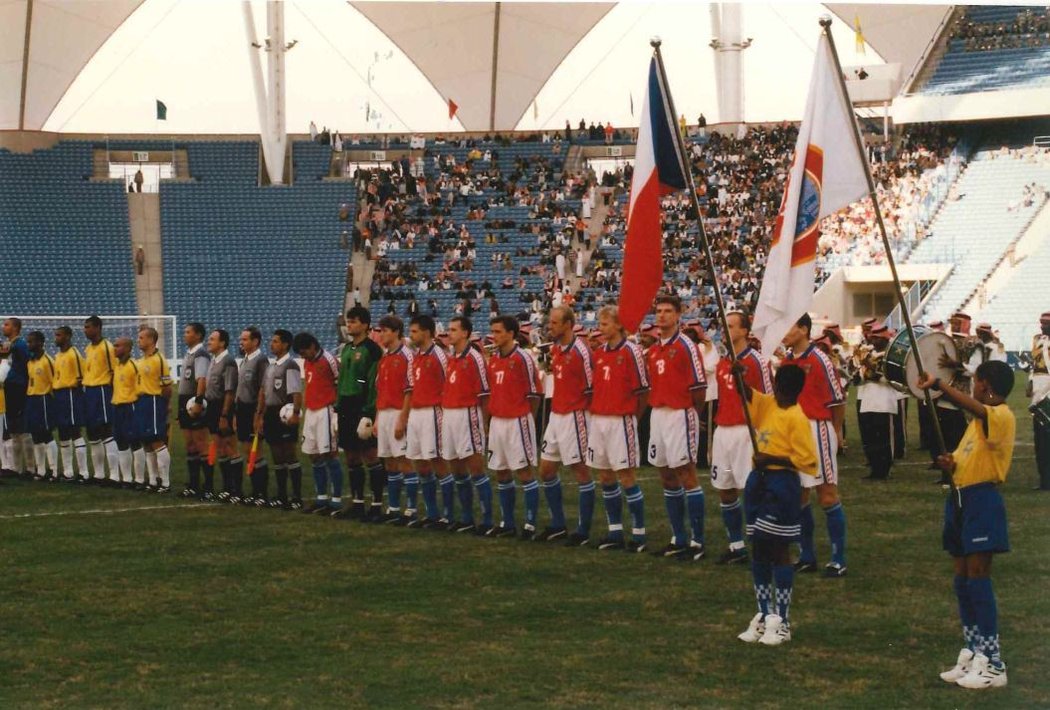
{"x": 69, "y": 404}
{"x": 975, "y": 517}
{"x": 152, "y": 410}
{"x": 99, "y": 363}
{"x": 40, "y": 404}
{"x": 130, "y": 457}
{"x": 772, "y": 499}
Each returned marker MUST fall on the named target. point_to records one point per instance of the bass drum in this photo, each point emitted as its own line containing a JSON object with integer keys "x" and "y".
{"x": 899, "y": 366}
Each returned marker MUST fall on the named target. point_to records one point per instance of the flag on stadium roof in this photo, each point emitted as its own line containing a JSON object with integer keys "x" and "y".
{"x": 826, "y": 175}
{"x": 659, "y": 169}
{"x": 162, "y": 111}
{"x": 452, "y": 108}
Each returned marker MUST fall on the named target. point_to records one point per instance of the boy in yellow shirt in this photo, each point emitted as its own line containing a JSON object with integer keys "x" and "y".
{"x": 975, "y": 517}
{"x": 772, "y": 499}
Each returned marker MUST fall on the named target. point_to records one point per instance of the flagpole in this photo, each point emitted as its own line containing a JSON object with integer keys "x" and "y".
{"x": 690, "y": 185}
{"x": 825, "y": 23}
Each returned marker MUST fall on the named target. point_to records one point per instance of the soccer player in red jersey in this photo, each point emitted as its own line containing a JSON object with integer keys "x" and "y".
{"x": 621, "y": 387}
{"x": 731, "y": 450}
{"x": 565, "y": 440}
{"x": 319, "y": 442}
{"x": 677, "y": 384}
{"x": 393, "y": 401}
{"x": 514, "y": 379}
{"x": 822, "y": 401}
{"x": 464, "y": 402}
{"x": 429, "y": 369}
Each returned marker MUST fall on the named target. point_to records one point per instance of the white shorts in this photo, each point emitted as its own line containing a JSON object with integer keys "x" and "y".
{"x": 462, "y": 433}
{"x": 387, "y": 447}
{"x": 424, "y": 434}
{"x": 512, "y": 443}
{"x": 827, "y": 455}
{"x": 613, "y": 442}
{"x": 674, "y": 437}
{"x": 565, "y": 439}
{"x": 731, "y": 457}
{"x": 319, "y": 432}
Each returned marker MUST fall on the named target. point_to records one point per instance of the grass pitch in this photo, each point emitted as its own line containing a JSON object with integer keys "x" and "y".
{"x": 104, "y": 603}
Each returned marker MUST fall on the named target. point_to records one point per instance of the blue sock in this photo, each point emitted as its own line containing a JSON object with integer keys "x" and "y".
{"x": 674, "y": 500}
{"x": 506, "y": 504}
{"x": 807, "y": 550}
{"x": 552, "y": 492}
{"x": 983, "y": 599}
{"x": 532, "y": 502}
{"x": 733, "y": 517}
{"x": 466, "y": 500}
{"x": 784, "y": 576}
{"x": 448, "y": 496}
{"x": 694, "y": 501}
{"x": 967, "y": 615}
{"x": 583, "y": 525}
{"x": 836, "y": 520}
{"x": 484, "y": 485}
{"x": 335, "y": 475}
{"x": 762, "y": 576}
{"x": 430, "y": 495}
{"x": 613, "y": 499}
{"x": 393, "y": 490}
{"x": 321, "y": 481}
{"x": 636, "y": 507}
{"x": 411, "y": 491}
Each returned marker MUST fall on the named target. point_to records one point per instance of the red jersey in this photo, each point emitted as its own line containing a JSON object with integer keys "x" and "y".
{"x": 322, "y": 377}
{"x": 468, "y": 380}
{"x": 514, "y": 379}
{"x": 619, "y": 378}
{"x": 428, "y": 373}
{"x": 394, "y": 378}
{"x": 756, "y": 375}
{"x": 822, "y": 390}
{"x": 675, "y": 372}
{"x": 573, "y": 372}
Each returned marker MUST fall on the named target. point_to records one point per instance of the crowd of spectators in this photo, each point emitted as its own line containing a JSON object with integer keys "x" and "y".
{"x": 1030, "y": 28}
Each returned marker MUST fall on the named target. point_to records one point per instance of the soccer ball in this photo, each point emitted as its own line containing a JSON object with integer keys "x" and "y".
{"x": 365, "y": 428}
{"x": 194, "y": 409}
{"x": 286, "y": 413}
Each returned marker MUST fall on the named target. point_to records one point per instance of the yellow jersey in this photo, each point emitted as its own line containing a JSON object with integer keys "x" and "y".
{"x": 784, "y": 433}
{"x": 69, "y": 368}
{"x": 126, "y": 382}
{"x": 41, "y": 375}
{"x": 154, "y": 374}
{"x": 985, "y": 458}
{"x": 100, "y": 362}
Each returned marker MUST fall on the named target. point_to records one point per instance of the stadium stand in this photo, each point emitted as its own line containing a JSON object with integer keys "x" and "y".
{"x": 68, "y": 236}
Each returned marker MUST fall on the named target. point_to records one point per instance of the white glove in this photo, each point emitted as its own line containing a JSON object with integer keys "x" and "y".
{"x": 364, "y": 428}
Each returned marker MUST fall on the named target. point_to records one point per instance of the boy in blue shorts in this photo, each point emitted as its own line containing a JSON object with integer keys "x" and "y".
{"x": 772, "y": 499}
{"x": 975, "y": 518}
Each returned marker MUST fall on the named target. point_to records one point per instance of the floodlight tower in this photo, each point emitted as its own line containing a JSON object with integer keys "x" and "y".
{"x": 269, "y": 95}
{"x": 729, "y": 45}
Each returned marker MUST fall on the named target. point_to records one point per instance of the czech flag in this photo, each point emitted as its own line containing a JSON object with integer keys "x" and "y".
{"x": 659, "y": 169}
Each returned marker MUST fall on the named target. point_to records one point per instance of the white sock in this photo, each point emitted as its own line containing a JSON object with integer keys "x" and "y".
{"x": 98, "y": 459}
{"x": 151, "y": 466}
{"x": 25, "y": 442}
{"x": 66, "y": 449}
{"x": 138, "y": 458}
{"x": 7, "y": 455}
{"x": 40, "y": 459}
{"x": 112, "y": 459}
{"x": 80, "y": 448}
{"x": 124, "y": 462}
{"x": 164, "y": 466}
{"x": 52, "y": 455}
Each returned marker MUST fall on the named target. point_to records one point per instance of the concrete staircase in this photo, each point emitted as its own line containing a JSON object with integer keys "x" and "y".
{"x": 144, "y": 218}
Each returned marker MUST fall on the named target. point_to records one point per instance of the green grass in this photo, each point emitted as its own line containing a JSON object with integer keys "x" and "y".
{"x": 218, "y": 607}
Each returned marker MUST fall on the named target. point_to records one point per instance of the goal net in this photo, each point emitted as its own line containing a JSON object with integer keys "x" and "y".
{"x": 113, "y": 327}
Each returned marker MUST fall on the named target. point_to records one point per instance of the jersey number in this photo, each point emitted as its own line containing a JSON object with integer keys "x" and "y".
{"x": 451, "y": 377}
{"x": 660, "y": 367}
{"x": 499, "y": 377}
{"x": 606, "y": 372}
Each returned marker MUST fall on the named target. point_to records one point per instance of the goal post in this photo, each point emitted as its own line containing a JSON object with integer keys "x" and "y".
{"x": 113, "y": 327}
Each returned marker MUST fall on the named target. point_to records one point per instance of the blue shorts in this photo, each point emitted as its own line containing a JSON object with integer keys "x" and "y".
{"x": 773, "y": 505}
{"x": 151, "y": 412}
{"x": 975, "y": 521}
{"x": 39, "y": 416}
{"x": 69, "y": 408}
{"x": 125, "y": 424}
{"x": 98, "y": 410}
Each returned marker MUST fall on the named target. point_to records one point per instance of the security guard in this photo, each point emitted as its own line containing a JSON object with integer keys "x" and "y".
{"x": 1039, "y": 391}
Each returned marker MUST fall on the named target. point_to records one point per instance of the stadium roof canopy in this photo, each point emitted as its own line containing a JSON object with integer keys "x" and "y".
{"x": 493, "y": 59}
